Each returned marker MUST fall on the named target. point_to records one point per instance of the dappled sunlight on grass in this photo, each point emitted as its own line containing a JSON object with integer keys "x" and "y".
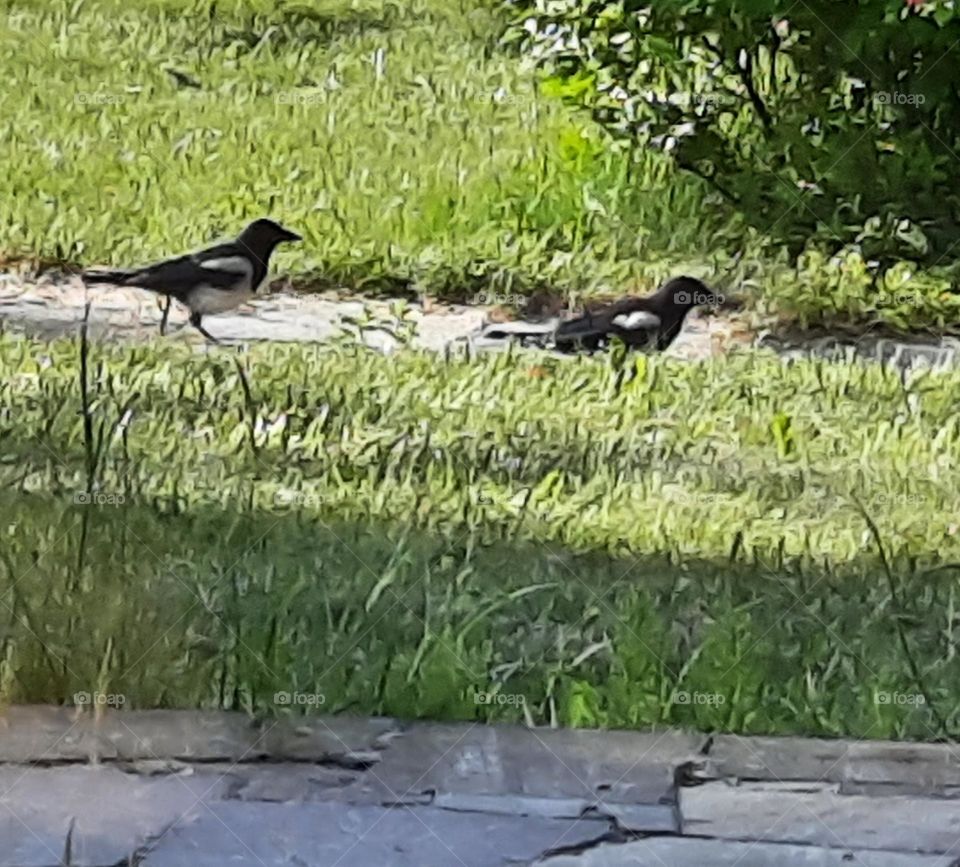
{"x": 401, "y": 533}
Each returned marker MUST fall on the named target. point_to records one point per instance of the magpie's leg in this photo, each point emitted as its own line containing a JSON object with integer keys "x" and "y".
{"x": 195, "y": 320}
{"x": 166, "y": 313}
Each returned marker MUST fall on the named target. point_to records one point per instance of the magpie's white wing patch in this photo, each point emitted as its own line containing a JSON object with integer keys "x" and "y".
{"x": 239, "y": 265}
{"x": 238, "y": 271}
{"x": 639, "y": 320}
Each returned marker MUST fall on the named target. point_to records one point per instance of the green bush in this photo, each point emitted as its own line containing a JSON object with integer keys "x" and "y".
{"x": 836, "y": 122}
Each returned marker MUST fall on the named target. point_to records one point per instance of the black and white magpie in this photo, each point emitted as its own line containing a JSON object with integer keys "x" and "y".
{"x": 209, "y": 281}
{"x": 649, "y": 323}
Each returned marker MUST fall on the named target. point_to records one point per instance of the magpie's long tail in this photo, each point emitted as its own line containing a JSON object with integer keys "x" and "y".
{"x": 534, "y": 332}
{"x": 110, "y": 278}
{"x": 582, "y": 328}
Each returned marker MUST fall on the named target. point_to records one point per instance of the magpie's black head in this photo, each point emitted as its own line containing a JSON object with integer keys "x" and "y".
{"x": 266, "y": 233}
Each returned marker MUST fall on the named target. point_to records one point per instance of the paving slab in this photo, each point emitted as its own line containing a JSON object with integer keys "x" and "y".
{"x": 942, "y": 353}
{"x": 689, "y": 852}
{"x": 287, "y": 782}
{"x": 186, "y": 735}
{"x": 40, "y": 733}
{"x": 35, "y": 733}
{"x": 881, "y": 790}
{"x": 198, "y": 788}
{"x": 322, "y": 835}
{"x": 547, "y": 772}
{"x": 346, "y": 740}
{"x": 817, "y": 814}
{"x": 877, "y": 767}
{"x": 52, "y": 305}
{"x": 112, "y": 813}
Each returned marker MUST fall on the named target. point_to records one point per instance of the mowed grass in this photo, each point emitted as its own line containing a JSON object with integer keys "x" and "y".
{"x": 411, "y": 150}
{"x": 739, "y": 545}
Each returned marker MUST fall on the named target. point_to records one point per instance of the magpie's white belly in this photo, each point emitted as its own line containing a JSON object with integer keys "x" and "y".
{"x": 208, "y": 300}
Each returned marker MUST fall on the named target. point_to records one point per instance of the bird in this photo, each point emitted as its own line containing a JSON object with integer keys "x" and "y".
{"x": 209, "y": 281}
{"x": 648, "y": 323}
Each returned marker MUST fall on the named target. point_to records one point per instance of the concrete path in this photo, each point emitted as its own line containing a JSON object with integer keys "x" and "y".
{"x": 54, "y": 306}
{"x": 191, "y": 789}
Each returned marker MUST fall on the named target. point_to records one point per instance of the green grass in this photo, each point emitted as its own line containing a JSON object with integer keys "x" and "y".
{"x": 413, "y": 150}
{"x": 408, "y": 147}
{"x": 400, "y": 533}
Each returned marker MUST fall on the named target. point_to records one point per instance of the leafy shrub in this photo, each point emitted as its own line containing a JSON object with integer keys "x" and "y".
{"x": 832, "y": 121}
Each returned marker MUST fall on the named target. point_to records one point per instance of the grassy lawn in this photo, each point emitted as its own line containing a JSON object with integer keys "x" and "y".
{"x": 738, "y": 545}
{"x": 411, "y": 148}
{"x": 399, "y": 138}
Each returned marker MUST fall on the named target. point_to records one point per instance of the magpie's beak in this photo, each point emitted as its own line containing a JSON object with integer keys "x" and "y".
{"x": 290, "y": 236}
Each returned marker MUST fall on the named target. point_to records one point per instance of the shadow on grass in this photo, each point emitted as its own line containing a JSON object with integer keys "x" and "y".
{"x": 265, "y": 611}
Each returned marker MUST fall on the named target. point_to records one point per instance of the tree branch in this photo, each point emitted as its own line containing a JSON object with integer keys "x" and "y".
{"x": 746, "y": 76}
{"x": 709, "y": 179}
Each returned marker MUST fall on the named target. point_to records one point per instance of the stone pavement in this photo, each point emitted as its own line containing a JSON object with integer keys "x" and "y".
{"x": 192, "y": 789}
{"x": 53, "y": 305}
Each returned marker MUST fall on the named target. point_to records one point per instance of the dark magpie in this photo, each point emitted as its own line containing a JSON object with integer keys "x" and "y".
{"x": 209, "y": 281}
{"x": 650, "y": 323}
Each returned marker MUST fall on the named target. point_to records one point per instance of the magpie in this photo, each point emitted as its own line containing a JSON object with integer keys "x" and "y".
{"x": 649, "y": 323}
{"x": 209, "y": 281}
